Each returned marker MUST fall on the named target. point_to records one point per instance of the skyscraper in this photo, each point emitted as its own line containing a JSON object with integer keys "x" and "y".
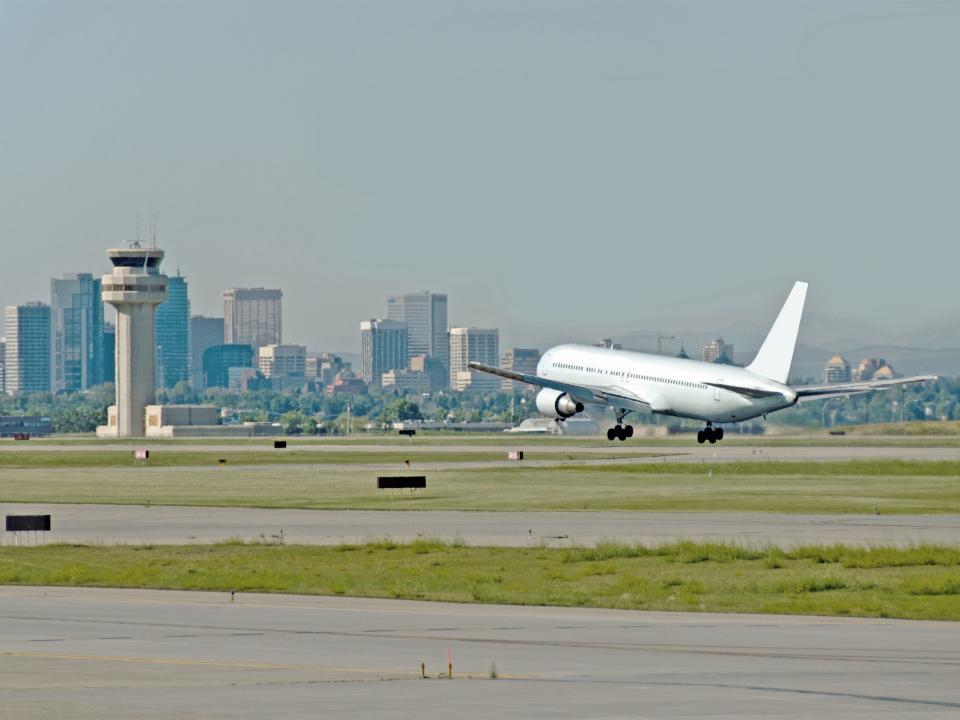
{"x": 425, "y": 314}
{"x": 383, "y": 347}
{"x": 471, "y": 344}
{"x": 173, "y": 334}
{"x": 218, "y": 360}
{"x": 3, "y": 366}
{"x": 252, "y": 316}
{"x": 27, "y": 366}
{"x": 205, "y": 332}
{"x": 76, "y": 319}
{"x": 109, "y": 352}
{"x": 521, "y": 360}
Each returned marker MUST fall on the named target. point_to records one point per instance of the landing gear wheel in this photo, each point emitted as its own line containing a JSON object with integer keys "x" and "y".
{"x": 618, "y": 432}
{"x": 710, "y": 434}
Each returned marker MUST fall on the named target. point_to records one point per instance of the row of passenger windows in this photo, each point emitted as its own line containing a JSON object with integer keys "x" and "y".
{"x": 632, "y": 376}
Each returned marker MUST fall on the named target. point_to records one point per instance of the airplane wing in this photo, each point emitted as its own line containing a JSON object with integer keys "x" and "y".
{"x": 821, "y": 392}
{"x": 606, "y": 395}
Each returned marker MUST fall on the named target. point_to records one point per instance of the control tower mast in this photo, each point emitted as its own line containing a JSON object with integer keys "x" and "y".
{"x": 135, "y": 287}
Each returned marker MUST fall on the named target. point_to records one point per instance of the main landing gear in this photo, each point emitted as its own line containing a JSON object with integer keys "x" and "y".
{"x": 620, "y": 431}
{"x": 710, "y": 433}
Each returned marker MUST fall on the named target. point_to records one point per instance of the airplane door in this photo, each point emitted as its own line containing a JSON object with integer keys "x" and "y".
{"x": 716, "y": 392}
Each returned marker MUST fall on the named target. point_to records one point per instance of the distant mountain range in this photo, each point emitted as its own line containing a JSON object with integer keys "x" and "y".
{"x": 930, "y": 348}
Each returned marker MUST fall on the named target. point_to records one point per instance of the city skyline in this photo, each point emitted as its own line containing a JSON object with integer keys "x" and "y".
{"x": 320, "y": 169}
{"x": 821, "y": 342}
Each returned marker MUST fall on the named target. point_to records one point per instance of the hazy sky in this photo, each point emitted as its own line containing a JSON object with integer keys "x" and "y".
{"x": 559, "y": 168}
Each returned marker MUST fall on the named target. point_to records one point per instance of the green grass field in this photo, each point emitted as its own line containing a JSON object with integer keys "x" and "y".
{"x": 842, "y": 487}
{"x": 921, "y": 582}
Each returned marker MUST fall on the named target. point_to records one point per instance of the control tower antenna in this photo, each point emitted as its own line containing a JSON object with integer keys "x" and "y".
{"x": 154, "y": 231}
{"x": 136, "y": 243}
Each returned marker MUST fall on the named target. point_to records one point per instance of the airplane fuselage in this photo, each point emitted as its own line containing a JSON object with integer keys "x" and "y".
{"x": 669, "y": 386}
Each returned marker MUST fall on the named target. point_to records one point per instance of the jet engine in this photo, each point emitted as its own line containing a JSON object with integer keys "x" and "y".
{"x": 557, "y": 404}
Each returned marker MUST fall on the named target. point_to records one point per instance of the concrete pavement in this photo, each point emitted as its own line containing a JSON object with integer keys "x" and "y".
{"x": 98, "y": 653}
{"x": 180, "y": 525}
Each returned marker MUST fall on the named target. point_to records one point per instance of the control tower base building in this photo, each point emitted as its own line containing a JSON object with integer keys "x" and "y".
{"x": 135, "y": 288}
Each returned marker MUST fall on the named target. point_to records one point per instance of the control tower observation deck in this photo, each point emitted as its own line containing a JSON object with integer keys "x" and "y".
{"x": 135, "y": 287}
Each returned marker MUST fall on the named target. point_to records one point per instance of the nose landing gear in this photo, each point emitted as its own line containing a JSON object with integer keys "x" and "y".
{"x": 710, "y": 433}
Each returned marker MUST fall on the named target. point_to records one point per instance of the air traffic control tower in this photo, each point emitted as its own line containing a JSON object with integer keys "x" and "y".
{"x": 135, "y": 287}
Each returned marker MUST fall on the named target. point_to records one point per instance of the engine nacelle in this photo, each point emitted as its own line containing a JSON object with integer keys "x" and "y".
{"x": 557, "y": 404}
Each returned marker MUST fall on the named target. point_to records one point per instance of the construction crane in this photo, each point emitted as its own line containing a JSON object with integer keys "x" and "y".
{"x": 659, "y": 337}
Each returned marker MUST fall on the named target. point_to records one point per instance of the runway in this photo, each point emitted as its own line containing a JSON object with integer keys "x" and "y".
{"x": 619, "y": 453}
{"x": 182, "y": 525}
{"x": 98, "y": 653}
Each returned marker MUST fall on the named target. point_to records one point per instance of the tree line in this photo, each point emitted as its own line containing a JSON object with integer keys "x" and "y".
{"x": 302, "y": 412}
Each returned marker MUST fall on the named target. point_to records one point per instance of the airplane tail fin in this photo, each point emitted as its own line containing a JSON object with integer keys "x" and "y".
{"x": 776, "y": 354}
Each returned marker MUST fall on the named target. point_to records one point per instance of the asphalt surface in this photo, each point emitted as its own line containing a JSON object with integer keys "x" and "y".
{"x": 96, "y": 653}
{"x": 180, "y": 525}
{"x": 675, "y": 452}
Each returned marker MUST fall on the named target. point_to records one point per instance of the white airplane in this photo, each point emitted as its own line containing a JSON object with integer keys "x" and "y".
{"x": 573, "y": 376}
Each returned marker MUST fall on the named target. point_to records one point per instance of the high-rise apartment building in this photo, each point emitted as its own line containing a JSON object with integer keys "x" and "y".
{"x": 718, "y": 351}
{"x": 76, "y": 319}
{"x": 252, "y": 316}
{"x": 283, "y": 361}
{"x": 205, "y": 332}
{"x": 873, "y": 369}
{"x": 173, "y": 334}
{"x": 837, "y": 370}
{"x": 27, "y": 366}
{"x": 383, "y": 347}
{"x": 3, "y": 365}
{"x": 471, "y": 344}
{"x": 425, "y": 314}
